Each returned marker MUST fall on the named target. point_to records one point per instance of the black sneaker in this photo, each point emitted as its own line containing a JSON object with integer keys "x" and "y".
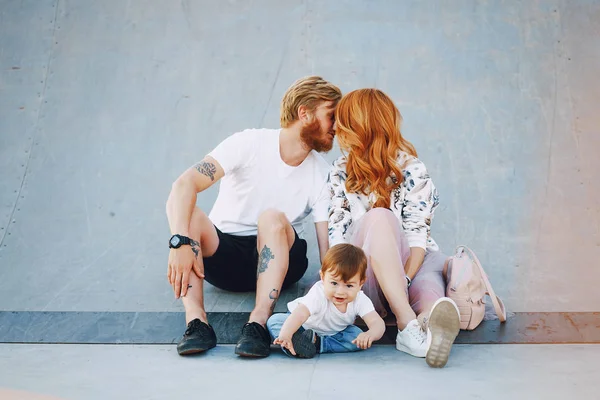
{"x": 255, "y": 341}
{"x": 198, "y": 337}
{"x": 304, "y": 344}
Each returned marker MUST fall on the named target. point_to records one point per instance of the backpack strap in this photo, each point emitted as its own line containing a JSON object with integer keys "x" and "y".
{"x": 496, "y": 301}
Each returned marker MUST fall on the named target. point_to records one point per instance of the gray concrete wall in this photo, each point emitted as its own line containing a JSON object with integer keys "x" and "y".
{"x": 103, "y": 104}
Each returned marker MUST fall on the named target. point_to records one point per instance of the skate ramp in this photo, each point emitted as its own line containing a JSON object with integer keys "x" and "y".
{"x": 104, "y": 104}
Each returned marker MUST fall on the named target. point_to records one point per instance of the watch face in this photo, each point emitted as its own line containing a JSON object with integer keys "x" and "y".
{"x": 175, "y": 241}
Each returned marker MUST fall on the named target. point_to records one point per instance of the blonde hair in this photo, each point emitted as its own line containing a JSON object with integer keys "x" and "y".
{"x": 308, "y": 92}
{"x": 345, "y": 261}
{"x": 368, "y": 128}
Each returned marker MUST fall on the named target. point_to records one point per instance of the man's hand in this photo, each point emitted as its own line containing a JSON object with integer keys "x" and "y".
{"x": 363, "y": 341}
{"x": 285, "y": 342}
{"x": 181, "y": 263}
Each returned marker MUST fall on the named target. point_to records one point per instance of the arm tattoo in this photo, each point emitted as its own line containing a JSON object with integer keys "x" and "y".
{"x": 263, "y": 260}
{"x": 195, "y": 247}
{"x": 206, "y": 168}
{"x": 274, "y": 295}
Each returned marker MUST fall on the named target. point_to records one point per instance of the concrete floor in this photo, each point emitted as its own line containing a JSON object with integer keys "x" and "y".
{"x": 157, "y": 372}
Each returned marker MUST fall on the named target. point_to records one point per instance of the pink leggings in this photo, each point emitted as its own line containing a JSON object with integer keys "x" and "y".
{"x": 427, "y": 286}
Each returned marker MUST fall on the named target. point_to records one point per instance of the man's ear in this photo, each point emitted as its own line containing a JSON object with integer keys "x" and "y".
{"x": 304, "y": 114}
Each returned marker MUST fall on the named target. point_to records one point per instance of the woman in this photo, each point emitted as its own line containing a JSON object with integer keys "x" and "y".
{"x": 383, "y": 200}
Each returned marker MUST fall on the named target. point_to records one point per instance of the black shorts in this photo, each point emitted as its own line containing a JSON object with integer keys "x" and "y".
{"x": 233, "y": 266}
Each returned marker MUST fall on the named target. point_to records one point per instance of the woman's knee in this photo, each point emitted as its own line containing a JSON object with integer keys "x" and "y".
{"x": 378, "y": 223}
{"x": 380, "y": 213}
{"x": 382, "y": 217}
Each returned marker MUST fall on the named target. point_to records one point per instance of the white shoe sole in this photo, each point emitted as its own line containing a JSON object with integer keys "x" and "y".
{"x": 444, "y": 325}
{"x": 405, "y": 349}
{"x": 415, "y": 352}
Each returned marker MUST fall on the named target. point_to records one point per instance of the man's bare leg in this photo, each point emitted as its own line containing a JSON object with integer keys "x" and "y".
{"x": 275, "y": 239}
{"x": 199, "y": 336}
{"x": 204, "y": 234}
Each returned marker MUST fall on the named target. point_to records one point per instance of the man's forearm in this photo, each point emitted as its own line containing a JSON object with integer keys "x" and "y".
{"x": 417, "y": 255}
{"x": 180, "y": 206}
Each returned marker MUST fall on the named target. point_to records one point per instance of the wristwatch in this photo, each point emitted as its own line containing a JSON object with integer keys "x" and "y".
{"x": 177, "y": 241}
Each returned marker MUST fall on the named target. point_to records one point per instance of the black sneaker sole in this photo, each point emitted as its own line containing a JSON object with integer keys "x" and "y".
{"x": 194, "y": 348}
{"x": 240, "y": 351}
{"x": 303, "y": 344}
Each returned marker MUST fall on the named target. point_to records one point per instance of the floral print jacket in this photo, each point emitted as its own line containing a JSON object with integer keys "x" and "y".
{"x": 413, "y": 203}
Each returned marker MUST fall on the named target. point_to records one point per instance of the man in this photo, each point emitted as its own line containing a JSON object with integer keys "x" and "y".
{"x": 271, "y": 180}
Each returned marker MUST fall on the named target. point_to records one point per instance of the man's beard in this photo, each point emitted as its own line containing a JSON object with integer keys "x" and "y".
{"x": 312, "y": 137}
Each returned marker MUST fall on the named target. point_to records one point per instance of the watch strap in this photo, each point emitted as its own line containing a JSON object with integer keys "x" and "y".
{"x": 182, "y": 241}
{"x": 185, "y": 240}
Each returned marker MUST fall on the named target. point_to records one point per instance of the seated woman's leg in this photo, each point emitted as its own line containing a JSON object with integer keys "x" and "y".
{"x": 437, "y": 312}
{"x": 379, "y": 234}
{"x": 429, "y": 284}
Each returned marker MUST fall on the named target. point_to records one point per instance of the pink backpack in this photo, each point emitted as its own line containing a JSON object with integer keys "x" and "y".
{"x": 467, "y": 286}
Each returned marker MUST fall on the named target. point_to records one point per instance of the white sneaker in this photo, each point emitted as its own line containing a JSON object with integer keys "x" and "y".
{"x": 412, "y": 339}
{"x": 443, "y": 327}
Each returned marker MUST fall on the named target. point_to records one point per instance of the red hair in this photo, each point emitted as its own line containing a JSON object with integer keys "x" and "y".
{"x": 368, "y": 128}
{"x": 345, "y": 261}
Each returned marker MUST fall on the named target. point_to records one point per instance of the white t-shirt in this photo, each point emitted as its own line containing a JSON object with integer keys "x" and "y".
{"x": 256, "y": 179}
{"x": 325, "y": 319}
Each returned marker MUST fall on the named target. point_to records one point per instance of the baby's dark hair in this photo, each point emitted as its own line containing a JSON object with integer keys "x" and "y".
{"x": 345, "y": 261}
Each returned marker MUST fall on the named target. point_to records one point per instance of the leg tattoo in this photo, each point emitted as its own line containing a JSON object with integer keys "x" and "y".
{"x": 263, "y": 260}
{"x": 195, "y": 247}
{"x": 274, "y": 295}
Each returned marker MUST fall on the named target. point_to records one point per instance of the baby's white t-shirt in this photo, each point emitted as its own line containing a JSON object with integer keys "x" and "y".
{"x": 325, "y": 319}
{"x": 257, "y": 179}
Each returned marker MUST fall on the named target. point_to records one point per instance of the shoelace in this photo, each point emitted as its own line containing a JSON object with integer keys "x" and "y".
{"x": 420, "y": 334}
{"x": 252, "y": 330}
{"x": 196, "y": 327}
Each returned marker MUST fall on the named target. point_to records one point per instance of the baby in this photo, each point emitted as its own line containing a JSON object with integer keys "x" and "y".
{"x": 322, "y": 321}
